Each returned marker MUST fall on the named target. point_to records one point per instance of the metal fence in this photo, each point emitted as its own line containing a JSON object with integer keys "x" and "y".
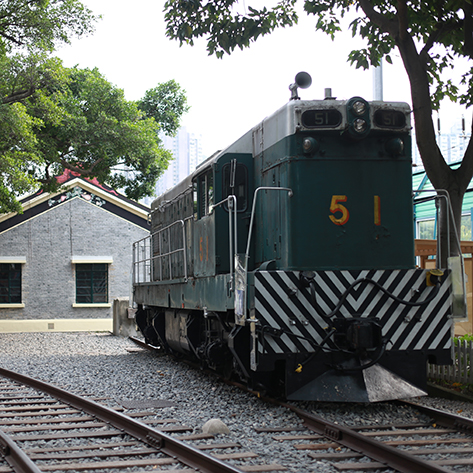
{"x": 460, "y": 371}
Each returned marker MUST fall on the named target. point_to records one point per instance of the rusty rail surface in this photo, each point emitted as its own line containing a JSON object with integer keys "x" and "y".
{"x": 159, "y": 440}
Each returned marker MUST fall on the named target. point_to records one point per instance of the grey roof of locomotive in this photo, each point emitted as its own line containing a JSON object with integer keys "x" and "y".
{"x": 284, "y": 122}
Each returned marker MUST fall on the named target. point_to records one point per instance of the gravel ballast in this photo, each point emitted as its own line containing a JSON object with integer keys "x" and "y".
{"x": 101, "y": 364}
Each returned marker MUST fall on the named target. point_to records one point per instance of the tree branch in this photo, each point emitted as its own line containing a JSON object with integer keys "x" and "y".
{"x": 424, "y": 54}
{"x": 10, "y": 38}
{"x": 18, "y": 96}
{"x": 385, "y": 24}
{"x": 402, "y": 20}
{"x": 81, "y": 171}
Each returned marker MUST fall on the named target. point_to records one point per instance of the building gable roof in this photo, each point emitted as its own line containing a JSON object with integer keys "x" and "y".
{"x": 73, "y": 186}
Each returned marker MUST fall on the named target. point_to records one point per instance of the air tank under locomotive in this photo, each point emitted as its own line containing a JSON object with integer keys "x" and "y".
{"x": 287, "y": 260}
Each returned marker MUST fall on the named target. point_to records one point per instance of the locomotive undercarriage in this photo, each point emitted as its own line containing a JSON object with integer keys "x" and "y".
{"x": 210, "y": 338}
{"x": 293, "y": 346}
{"x": 364, "y": 372}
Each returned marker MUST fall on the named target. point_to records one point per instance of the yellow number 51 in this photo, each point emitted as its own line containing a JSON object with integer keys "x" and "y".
{"x": 335, "y": 207}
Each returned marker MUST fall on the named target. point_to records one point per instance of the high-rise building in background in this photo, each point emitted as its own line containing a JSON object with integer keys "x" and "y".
{"x": 452, "y": 143}
{"x": 187, "y": 154}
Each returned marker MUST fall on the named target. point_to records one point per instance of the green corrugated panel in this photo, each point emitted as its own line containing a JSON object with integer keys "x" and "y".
{"x": 427, "y": 209}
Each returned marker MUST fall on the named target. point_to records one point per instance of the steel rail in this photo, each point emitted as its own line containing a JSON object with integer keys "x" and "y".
{"x": 15, "y": 456}
{"x": 166, "y": 444}
{"x": 395, "y": 458}
{"x": 446, "y": 419}
{"x": 399, "y": 460}
{"x": 143, "y": 344}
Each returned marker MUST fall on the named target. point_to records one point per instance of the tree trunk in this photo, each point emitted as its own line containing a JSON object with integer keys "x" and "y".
{"x": 445, "y": 180}
{"x": 451, "y": 184}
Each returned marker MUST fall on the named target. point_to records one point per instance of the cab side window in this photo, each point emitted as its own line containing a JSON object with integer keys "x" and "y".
{"x": 235, "y": 182}
{"x": 203, "y": 195}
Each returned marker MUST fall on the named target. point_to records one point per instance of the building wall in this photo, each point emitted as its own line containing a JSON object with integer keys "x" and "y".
{"x": 50, "y": 240}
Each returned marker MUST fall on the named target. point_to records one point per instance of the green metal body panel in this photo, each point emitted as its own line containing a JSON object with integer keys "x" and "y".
{"x": 356, "y": 171}
{"x": 212, "y": 293}
{"x": 351, "y": 206}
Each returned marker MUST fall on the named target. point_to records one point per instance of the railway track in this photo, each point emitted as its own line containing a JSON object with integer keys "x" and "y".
{"x": 443, "y": 444}
{"x": 44, "y": 428}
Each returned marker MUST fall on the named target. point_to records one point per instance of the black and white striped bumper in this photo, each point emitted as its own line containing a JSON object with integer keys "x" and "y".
{"x": 282, "y": 303}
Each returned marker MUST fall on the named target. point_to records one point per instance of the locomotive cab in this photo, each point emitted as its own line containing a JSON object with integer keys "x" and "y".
{"x": 216, "y": 222}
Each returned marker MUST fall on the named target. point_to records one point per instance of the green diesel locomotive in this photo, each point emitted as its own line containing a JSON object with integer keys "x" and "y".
{"x": 287, "y": 259}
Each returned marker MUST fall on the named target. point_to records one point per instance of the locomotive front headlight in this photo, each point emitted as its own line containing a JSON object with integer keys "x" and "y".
{"x": 309, "y": 145}
{"x": 360, "y": 125}
{"x": 395, "y": 147}
{"x": 358, "y": 118}
{"x": 359, "y": 107}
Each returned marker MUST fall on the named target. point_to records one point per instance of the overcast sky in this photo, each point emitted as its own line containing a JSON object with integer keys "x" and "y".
{"x": 227, "y": 96}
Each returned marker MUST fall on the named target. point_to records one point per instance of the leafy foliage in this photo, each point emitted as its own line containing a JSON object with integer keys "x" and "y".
{"x": 89, "y": 127}
{"x": 468, "y": 337}
{"x": 225, "y": 30}
{"x": 82, "y": 122}
{"x": 446, "y": 25}
{"x": 23, "y": 74}
{"x": 17, "y": 153}
{"x": 166, "y": 104}
{"x": 52, "y": 118}
{"x": 42, "y": 23}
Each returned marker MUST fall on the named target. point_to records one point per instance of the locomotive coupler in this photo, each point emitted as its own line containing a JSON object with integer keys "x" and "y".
{"x": 358, "y": 334}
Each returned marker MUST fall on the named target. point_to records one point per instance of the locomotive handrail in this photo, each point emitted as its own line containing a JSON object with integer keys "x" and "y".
{"x": 136, "y": 261}
{"x": 151, "y": 257}
{"x": 460, "y": 293}
{"x": 231, "y": 200}
{"x": 253, "y": 209}
{"x": 437, "y": 197}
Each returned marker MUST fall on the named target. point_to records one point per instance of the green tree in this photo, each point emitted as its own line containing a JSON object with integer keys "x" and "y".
{"x": 87, "y": 126}
{"x": 17, "y": 154}
{"x": 52, "y": 118}
{"x": 166, "y": 104}
{"x": 22, "y": 74}
{"x": 29, "y": 30}
{"x": 78, "y": 120}
{"x": 42, "y": 23}
{"x": 430, "y": 36}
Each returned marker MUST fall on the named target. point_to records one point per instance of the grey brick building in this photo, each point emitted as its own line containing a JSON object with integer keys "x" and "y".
{"x": 67, "y": 257}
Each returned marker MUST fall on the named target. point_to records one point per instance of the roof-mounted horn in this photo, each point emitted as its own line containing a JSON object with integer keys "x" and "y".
{"x": 303, "y": 80}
